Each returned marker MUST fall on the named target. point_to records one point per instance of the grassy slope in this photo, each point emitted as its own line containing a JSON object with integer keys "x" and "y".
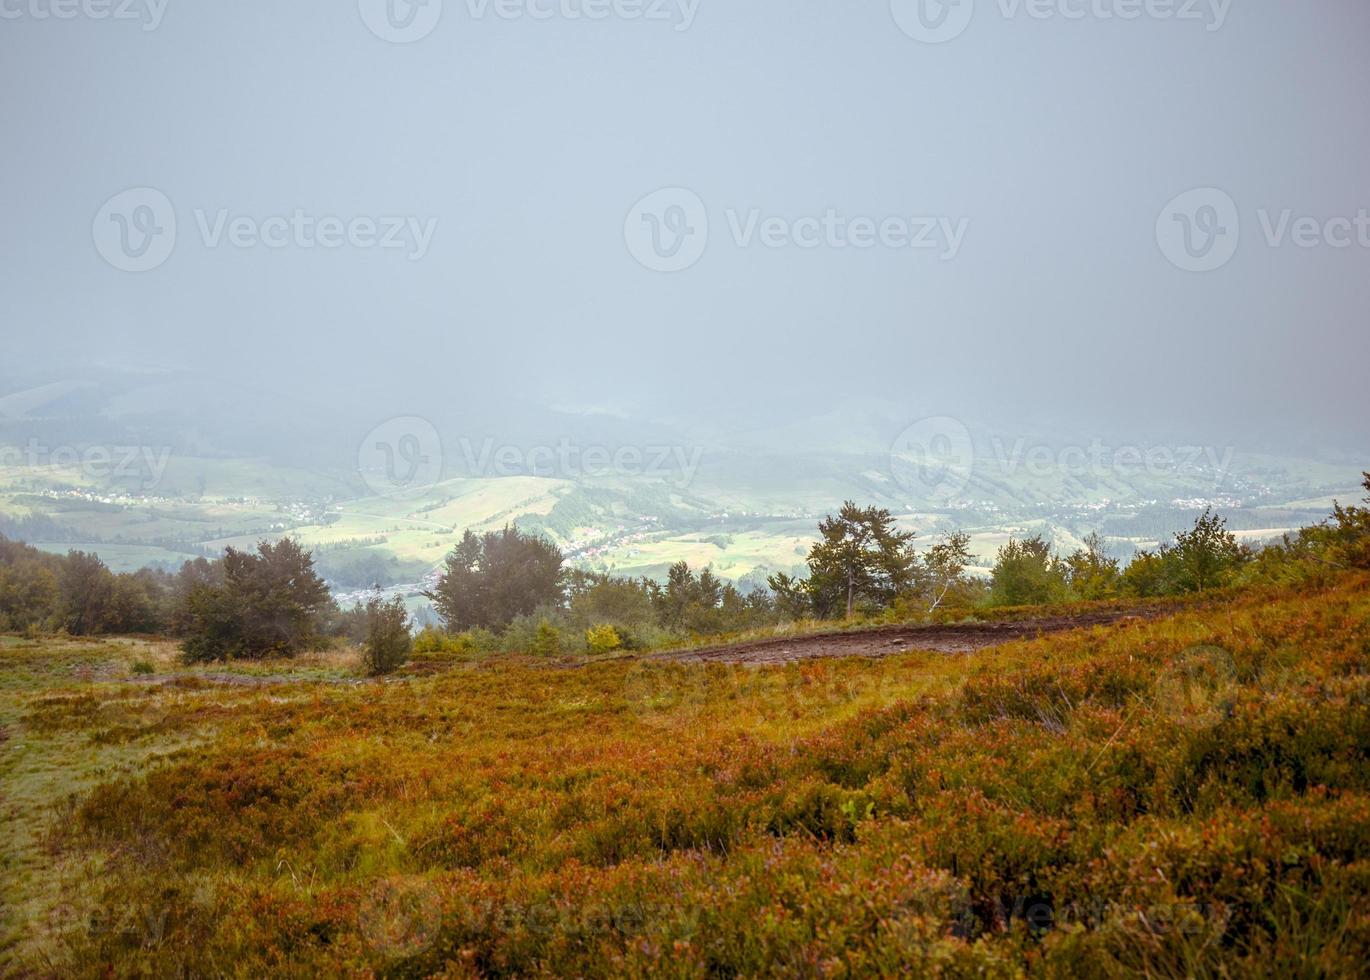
{"x": 1190, "y": 796}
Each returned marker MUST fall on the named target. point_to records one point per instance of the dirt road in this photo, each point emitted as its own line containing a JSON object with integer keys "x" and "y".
{"x": 886, "y": 640}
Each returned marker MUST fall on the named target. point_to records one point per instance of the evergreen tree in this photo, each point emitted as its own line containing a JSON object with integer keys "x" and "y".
{"x": 492, "y": 579}
{"x": 255, "y": 605}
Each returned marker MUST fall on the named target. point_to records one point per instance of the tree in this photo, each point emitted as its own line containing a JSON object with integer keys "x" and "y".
{"x": 793, "y": 599}
{"x": 87, "y": 594}
{"x": 860, "y": 556}
{"x": 1148, "y": 574}
{"x": 133, "y": 604}
{"x": 1026, "y": 573}
{"x": 254, "y": 605}
{"x": 1351, "y": 532}
{"x": 1092, "y": 573}
{"x": 491, "y": 579}
{"x": 945, "y": 564}
{"x": 1206, "y": 556}
{"x": 702, "y": 603}
{"x": 30, "y": 591}
{"x": 623, "y": 604}
{"x": 388, "y": 641}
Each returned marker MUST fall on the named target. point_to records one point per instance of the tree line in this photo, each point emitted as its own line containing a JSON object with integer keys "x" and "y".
{"x": 507, "y": 590}
{"x": 510, "y": 590}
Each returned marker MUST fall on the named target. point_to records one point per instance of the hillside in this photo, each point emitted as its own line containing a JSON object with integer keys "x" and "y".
{"x": 159, "y": 468}
{"x": 1184, "y": 796}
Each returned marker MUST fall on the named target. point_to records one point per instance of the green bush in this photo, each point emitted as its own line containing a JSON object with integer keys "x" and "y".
{"x": 547, "y": 642}
{"x": 602, "y": 639}
{"x": 435, "y": 641}
{"x": 388, "y": 642}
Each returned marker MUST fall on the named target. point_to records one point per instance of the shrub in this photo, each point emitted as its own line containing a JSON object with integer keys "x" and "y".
{"x": 143, "y": 667}
{"x": 547, "y": 642}
{"x": 387, "y": 636}
{"x": 480, "y": 640}
{"x": 602, "y": 639}
{"x": 1026, "y": 573}
{"x": 436, "y": 641}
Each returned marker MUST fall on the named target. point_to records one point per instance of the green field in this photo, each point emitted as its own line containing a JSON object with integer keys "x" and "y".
{"x": 742, "y": 516}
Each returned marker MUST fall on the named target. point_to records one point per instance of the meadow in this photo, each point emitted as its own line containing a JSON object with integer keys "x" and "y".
{"x": 1188, "y": 796}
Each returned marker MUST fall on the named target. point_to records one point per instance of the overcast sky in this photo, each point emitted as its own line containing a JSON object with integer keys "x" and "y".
{"x": 977, "y": 204}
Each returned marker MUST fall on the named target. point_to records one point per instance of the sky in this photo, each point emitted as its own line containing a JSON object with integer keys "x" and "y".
{"x": 1126, "y": 211}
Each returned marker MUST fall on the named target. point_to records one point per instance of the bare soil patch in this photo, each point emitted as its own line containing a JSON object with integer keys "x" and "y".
{"x": 884, "y": 641}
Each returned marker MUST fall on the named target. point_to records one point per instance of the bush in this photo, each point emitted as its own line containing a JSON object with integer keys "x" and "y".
{"x": 143, "y": 667}
{"x": 547, "y": 642}
{"x": 387, "y": 636}
{"x": 480, "y": 640}
{"x": 436, "y": 641}
{"x": 602, "y": 639}
{"x": 1026, "y": 573}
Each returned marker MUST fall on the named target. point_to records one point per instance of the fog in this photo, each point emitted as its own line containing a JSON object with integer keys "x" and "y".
{"x": 860, "y": 203}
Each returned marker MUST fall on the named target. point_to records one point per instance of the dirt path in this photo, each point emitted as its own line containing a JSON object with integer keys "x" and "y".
{"x": 886, "y": 640}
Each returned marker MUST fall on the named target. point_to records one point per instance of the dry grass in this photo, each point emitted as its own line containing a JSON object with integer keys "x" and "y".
{"x": 1189, "y": 796}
